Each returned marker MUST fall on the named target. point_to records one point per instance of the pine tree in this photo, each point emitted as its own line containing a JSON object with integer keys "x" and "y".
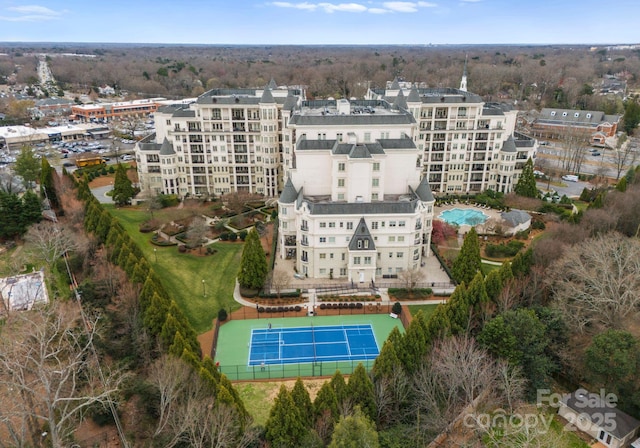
{"x": 284, "y": 427}
{"x": 47, "y": 185}
{"x": 339, "y": 387}
{"x": 360, "y": 390}
{"x": 300, "y": 397}
{"x": 123, "y": 190}
{"x": 468, "y": 262}
{"x": 326, "y": 402}
{"x": 253, "y": 265}
{"x": 386, "y": 361}
{"x": 12, "y": 222}
{"x": 493, "y": 284}
{"x": 31, "y": 208}
{"x": 622, "y": 185}
{"x": 27, "y": 167}
{"x": 477, "y": 293}
{"x": 526, "y": 185}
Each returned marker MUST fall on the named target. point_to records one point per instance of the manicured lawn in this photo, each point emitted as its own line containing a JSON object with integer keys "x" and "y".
{"x": 182, "y": 274}
{"x": 427, "y": 310}
{"x": 486, "y": 267}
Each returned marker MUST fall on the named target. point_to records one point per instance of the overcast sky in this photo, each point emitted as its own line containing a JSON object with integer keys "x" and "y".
{"x": 293, "y": 22}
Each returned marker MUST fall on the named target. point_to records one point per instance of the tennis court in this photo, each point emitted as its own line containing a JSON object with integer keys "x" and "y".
{"x": 243, "y": 345}
{"x": 312, "y": 344}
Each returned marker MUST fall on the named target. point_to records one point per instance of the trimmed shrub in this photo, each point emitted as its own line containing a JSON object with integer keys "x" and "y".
{"x": 297, "y": 308}
{"x": 233, "y": 236}
{"x": 248, "y": 292}
{"x": 396, "y": 308}
{"x": 260, "y": 309}
{"x": 222, "y": 315}
{"x": 323, "y": 306}
{"x": 182, "y": 248}
{"x": 504, "y": 250}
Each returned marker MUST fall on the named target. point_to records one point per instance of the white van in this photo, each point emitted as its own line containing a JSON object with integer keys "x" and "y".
{"x": 570, "y": 177}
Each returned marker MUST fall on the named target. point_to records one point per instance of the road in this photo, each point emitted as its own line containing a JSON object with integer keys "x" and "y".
{"x": 604, "y": 164}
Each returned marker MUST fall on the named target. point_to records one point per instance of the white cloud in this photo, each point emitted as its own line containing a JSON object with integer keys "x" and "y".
{"x": 344, "y": 7}
{"x": 401, "y": 6}
{"x": 387, "y": 7}
{"x": 30, "y": 13}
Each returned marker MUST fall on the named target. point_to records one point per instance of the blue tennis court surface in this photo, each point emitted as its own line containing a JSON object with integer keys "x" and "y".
{"x": 311, "y": 344}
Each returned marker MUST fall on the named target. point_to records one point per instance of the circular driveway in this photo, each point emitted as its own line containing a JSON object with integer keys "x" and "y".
{"x": 101, "y": 194}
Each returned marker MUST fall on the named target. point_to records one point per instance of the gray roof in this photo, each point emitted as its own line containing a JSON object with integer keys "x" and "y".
{"x": 150, "y": 146}
{"x": 509, "y": 145}
{"x": 267, "y": 97}
{"x": 352, "y": 120}
{"x": 358, "y": 150}
{"x": 414, "y": 96}
{"x": 272, "y": 84}
{"x": 587, "y": 118}
{"x": 400, "y": 102}
{"x": 185, "y": 113}
{"x": 170, "y": 108}
{"x": 439, "y": 95}
{"x": 289, "y": 193}
{"x": 362, "y": 208}
{"x": 167, "y": 148}
{"x": 307, "y": 144}
{"x": 362, "y": 239}
{"x": 515, "y": 217}
{"x": 395, "y": 85}
{"x": 290, "y": 102}
{"x": 488, "y": 111}
{"x": 424, "y": 191}
{"x": 595, "y": 407}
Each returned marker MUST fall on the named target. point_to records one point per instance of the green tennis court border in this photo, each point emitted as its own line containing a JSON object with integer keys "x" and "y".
{"x": 232, "y": 352}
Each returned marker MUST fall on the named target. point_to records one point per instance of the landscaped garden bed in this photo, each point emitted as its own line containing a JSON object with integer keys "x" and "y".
{"x": 410, "y": 294}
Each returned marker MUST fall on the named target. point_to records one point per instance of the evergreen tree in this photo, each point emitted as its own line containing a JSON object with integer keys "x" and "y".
{"x": 468, "y": 262}
{"x": 31, "y": 208}
{"x": 493, "y": 284}
{"x": 27, "y": 167}
{"x": 47, "y": 173}
{"x": 622, "y": 185}
{"x": 631, "y": 116}
{"x": 414, "y": 348}
{"x": 506, "y": 274}
{"x": 123, "y": 190}
{"x": 458, "y": 310}
{"x": 386, "y": 361}
{"x": 355, "y": 431}
{"x": 526, "y": 185}
{"x": 12, "y": 222}
{"x": 253, "y": 265}
{"x": 613, "y": 359}
{"x": 326, "y": 402}
{"x": 155, "y": 314}
{"x": 339, "y": 387}
{"x": 284, "y": 427}
{"x": 477, "y": 293}
{"x": 300, "y": 397}
{"x": 360, "y": 390}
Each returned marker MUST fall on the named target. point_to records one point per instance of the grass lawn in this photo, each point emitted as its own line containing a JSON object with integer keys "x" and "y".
{"x": 487, "y": 267}
{"x": 182, "y": 274}
{"x": 427, "y": 310}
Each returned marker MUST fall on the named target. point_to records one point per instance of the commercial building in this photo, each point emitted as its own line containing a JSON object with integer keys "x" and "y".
{"x": 14, "y": 137}
{"x": 589, "y": 125}
{"x": 110, "y": 111}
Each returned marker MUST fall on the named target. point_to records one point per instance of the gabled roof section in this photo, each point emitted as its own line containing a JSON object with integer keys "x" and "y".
{"x": 272, "y": 84}
{"x": 290, "y": 102}
{"x": 594, "y": 406}
{"x": 359, "y": 152}
{"x": 515, "y": 217}
{"x": 414, "y": 96}
{"x": 424, "y": 191}
{"x": 267, "y": 97}
{"x": 395, "y": 85}
{"x": 362, "y": 239}
{"x": 289, "y": 193}
{"x": 167, "y": 148}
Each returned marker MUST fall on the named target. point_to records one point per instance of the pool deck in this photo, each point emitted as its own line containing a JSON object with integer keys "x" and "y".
{"x": 494, "y": 215}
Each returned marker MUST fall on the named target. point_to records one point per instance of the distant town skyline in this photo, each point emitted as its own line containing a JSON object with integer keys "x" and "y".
{"x": 364, "y": 22}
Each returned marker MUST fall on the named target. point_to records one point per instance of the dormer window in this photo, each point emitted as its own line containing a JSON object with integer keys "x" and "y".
{"x": 366, "y": 244}
{"x": 553, "y": 113}
{"x": 359, "y": 244}
{"x": 588, "y": 115}
{"x": 577, "y": 114}
{"x": 564, "y": 114}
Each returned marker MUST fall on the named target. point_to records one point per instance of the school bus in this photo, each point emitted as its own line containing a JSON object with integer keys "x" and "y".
{"x": 82, "y": 162}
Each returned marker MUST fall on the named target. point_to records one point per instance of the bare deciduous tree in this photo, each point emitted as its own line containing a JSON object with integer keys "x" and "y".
{"x": 624, "y": 155}
{"x": 598, "y": 282}
{"x": 50, "y": 241}
{"x": 411, "y": 277}
{"x": 197, "y": 232}
{"x": 48, "y": 367}
{"x": 188, "y": 412}
{"x": 279, "y": 280}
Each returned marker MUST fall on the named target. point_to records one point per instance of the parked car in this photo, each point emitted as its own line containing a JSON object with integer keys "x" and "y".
{"x": 596, "y": 154}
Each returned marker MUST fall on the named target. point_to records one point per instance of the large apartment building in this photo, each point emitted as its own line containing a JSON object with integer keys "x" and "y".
{"x": 466, "y": 145}
{"x": 354, "y": 205}
{"x": 227, "y": 140}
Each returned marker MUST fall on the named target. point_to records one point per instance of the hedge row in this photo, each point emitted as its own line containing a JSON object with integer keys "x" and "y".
{"x": 335, "y": 306}
{"x": 278, "y": 309}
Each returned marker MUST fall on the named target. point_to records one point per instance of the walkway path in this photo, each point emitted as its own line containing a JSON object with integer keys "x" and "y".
{"x": 384, "y": 296}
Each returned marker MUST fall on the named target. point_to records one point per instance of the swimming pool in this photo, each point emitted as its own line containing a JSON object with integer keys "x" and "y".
{"x": 461, "y": 217}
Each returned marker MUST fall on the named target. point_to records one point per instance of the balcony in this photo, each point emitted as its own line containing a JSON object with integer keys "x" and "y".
{"x": 304, "y": 242}
{"x": 304, "y": 228}
{"x": 290, "y": 240}
{"x": 304, "y": 259}
{"x": 418, "y": 225}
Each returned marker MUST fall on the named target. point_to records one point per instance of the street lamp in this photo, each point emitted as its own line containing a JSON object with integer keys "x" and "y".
{"x": 155, "y": 254}
{"x": 204, "y": 288}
